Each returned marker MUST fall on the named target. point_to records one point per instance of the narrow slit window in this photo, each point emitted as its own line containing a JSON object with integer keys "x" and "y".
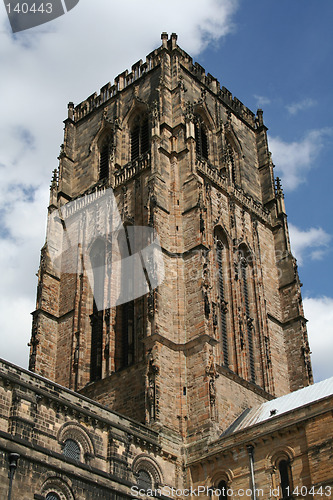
{"x": 285, "y": 478}
{"x": 140, "y": 138}
{"x": 201, "y": 140}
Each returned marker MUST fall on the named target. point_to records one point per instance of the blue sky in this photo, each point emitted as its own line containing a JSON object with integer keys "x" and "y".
{"x": 276, "y": 55}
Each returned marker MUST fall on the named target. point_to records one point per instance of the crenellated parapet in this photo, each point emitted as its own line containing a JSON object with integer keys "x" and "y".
{"x": 153, "y": 60}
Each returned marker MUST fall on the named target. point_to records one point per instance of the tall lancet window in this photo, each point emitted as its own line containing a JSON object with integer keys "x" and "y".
{"x": 201, "y": 139}
{"x": 221, "y": 250}
{"x": 140, "y": 137}
{"x": 97, "y": 258}
{"x": 246, "y": 276}
{"x": 104, "y": 157}
{"x": 125, "y": 320}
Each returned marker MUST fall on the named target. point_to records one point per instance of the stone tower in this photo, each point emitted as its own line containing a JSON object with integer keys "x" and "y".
{"x": 225, "y": 329}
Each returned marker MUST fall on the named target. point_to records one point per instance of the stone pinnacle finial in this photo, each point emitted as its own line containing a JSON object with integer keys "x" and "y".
{"x": 173, "y": 40}
{"x": 279, "y": 189}
{"x": 260, "y": 116}
{"x": 164, "y": 38}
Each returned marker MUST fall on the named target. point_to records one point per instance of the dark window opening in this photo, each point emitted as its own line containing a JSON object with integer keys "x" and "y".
{"x": 125, "y": 314}
{"x": 223, "y": 487}
{"x": 285, "y": 477}
{"x": 201, "y": 140}
{"x": 140, "y": 141}
{"x": 144, "y": 480}
{"x": 104, "y": 157}
{"x": 72, "y": 449}
{"x": 97, "y": 257}
{"x": 128, "y": 333}
{"x": 52, "y": 496}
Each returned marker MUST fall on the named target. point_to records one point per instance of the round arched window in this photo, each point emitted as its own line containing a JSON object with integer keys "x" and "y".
{"x": 72, "y": 449}
{"x": 52, "y": 496}
{"x": 144, "y": 480}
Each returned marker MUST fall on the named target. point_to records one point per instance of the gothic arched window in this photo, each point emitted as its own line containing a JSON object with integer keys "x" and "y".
{"x": 144, "y": 480}
{"x": 104, "y": 157}
{"x": 72, "y": 449}
{"x": 201, "y": 139}
{"x": 246, "y": 277}
{"x": 97, "y": 258}
{"x": 140, "y": 140}
{"x": 285, "y": 478}
{"x": 125, "y": 318}
{"x": 222, "y": 259}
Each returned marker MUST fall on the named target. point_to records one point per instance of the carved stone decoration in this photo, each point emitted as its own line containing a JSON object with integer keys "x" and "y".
{"x": 215, "y": 320}
{"x": 151, "y": 204}
{"x": 152, "y": 303}
{"x": 224, "y": 306}
{"x": 206, "y": 284}
{"x": 189, "y": 111}
{"x": 267, "y": 350}
{"x": 34, "y": 341}
{"x": 181, "y": 84}
{"x": 241, "y": 333}
{"x": 212, "y": 391}
{"x": 152, "y": 389}
{"x": 212, "y": 376}
{"x": 154, "y": 113}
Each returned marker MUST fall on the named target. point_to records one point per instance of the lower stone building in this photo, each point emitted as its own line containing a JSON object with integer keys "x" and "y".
{"x": 65, "y": 446}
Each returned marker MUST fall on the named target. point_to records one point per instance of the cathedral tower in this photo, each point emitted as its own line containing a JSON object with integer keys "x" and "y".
{"x": 222, "y": 326}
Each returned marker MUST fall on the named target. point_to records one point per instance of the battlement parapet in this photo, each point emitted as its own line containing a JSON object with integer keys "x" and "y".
{"x": 122, "y": 81}
{"x": 140, "y": 68}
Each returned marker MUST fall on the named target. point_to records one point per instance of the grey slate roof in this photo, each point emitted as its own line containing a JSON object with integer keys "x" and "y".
{"x": 281, "y": 405}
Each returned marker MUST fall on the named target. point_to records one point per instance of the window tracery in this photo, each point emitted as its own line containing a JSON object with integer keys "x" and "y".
{"x": 140, "y": 139}
{"x": 222, "y": 261}
{"x": 201, "y": 138}
{"x": 104, "y": 157}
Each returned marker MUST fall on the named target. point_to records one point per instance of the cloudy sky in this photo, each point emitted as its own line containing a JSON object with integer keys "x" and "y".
{"x": 273, "y": 55}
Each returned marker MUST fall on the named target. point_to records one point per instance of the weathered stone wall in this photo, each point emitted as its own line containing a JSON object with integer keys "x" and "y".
{"x": 37, "y": 417}
{"x": 208, "y": 174}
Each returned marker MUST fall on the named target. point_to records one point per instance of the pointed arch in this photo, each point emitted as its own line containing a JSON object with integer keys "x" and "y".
{"x": 246, "y": 273}
{"x": 222, "y": 258}
{"x": 232, "y": 154}
{"x": 201, "y": 138}
{"x": 103, "y": 146}
{"x": 138, "y": 124}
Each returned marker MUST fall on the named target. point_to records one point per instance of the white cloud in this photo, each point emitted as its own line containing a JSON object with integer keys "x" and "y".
{"x": 295, "y": 107}
{"x": 294, "y": 159}
{"x": 261, "y": 100}
{"x": 319, "y": 312}
{"x": 312, "y": 243}
{"x": 42, "y": 70}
